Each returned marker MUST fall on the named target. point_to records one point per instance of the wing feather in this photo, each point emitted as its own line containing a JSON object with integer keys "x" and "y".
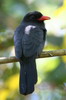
{"x": 18, "y": 42}
{"x": 33, "y": 42}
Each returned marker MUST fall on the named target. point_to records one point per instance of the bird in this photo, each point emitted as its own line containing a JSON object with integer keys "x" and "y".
{"x": 29, "y": 40}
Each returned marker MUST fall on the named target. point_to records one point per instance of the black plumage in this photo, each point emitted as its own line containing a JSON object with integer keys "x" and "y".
{"x": 29, "y": 39}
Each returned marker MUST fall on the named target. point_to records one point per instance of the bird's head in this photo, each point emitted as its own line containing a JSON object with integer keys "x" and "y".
{"x": 35, "y": 17}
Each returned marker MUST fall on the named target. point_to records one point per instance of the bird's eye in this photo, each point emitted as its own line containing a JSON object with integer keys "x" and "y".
{"x": 32, "y": 17}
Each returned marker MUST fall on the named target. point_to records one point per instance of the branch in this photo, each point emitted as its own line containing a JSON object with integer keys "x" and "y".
{"x": 44, "y": 54}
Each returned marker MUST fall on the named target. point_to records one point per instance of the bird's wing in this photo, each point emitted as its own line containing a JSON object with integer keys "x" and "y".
{"x": 32, "y": 41}
{"x": 18, "y": 42}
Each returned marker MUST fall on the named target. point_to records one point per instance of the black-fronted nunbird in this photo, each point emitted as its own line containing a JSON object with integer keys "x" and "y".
{"x": 29, "y": 39}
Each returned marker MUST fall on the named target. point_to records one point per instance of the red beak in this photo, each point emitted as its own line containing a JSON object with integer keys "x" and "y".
{"x": 44, "y": 18}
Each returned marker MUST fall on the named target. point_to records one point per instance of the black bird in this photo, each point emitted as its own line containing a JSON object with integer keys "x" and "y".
{"x": 29, "y": 39}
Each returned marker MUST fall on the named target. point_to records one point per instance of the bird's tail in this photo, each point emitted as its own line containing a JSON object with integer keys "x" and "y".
{"x": 28, "y": 76}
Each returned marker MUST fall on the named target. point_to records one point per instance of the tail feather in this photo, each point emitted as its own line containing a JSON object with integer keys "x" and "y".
{"x": 28, "y": 76}
{"x": 22, "y": 79}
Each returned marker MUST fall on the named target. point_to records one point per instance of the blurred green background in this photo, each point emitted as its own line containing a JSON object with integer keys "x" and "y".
{"x": 51, "y": 83}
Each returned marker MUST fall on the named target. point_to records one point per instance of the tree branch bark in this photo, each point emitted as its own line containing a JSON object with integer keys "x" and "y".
{"x": 44, "y": 54}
